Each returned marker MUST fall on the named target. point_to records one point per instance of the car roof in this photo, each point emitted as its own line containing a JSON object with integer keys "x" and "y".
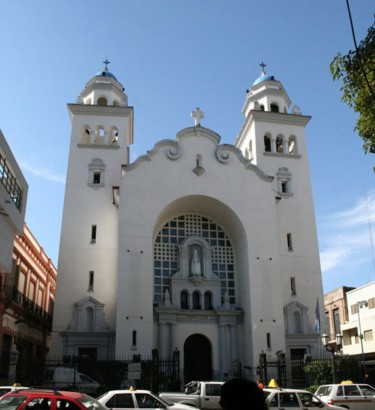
{"x": 286, "y": 390}
{"x": 44, "y": 392}
{"x": 128, "y": 391}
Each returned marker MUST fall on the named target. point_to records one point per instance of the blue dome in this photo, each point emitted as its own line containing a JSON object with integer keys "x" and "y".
{"x": 264, "y": 78}
{"x": 106, "y": 74}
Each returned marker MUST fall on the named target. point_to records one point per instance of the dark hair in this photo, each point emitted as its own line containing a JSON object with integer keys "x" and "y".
{"x": 235, "y": 393}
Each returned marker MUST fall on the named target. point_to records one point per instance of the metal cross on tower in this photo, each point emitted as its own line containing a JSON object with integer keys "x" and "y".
{"x": 106, "y": 62}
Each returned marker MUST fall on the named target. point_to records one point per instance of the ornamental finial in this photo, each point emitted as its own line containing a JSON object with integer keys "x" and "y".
{"x": 197, "y": 114}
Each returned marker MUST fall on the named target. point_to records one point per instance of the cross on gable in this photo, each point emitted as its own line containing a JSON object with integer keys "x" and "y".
{"x": 197, "y": 114}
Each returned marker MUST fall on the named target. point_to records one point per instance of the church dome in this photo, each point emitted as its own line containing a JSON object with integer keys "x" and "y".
{"x": 264, "y": 77}
{"x": 105, "y": 74}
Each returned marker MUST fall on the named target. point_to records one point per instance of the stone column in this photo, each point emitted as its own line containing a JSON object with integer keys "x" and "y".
{"x": 222, "y": 349}
{"x": 233, "y": 343}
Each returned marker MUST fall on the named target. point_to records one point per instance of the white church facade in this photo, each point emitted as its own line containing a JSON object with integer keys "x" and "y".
{"x": 207, "y": 248}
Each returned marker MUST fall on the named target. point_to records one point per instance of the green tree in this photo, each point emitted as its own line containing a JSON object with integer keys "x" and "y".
{"x": 357, "y": 72}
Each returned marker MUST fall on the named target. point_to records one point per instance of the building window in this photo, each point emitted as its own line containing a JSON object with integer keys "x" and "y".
{"x": 267, "y": 143}
{"x": 184, "y": 300}
{"x": 297, "y": 322}
{"x": 292, "y": 145}
{"x": 371, "y": 303}
{"x": 284, "y": 179}
{"x": 196, "y": 301}
{"x": 279, "y": 144}
{"x": 354, "y": 309}
{"x": 289, "y": 241}
{"x": 90, "y": 318}
{"x": 91, "y": 280}
{"x": 93, "y": 233}
{"x": 208, "y": 300}
{"x": 274, "y": 107}
{"x": 293, "y": 286}
{"x": 96, "y": 173}
{"x": 166, "y": 256}
{"x": 328, "y": 324}
{"x": 102, "y": 101}
{"x": 96, "y": 177}
{"x": 269, "y": 341}
{"x": 336, "y": 321}
{"x": 134, "y": 339}
{"x": 368, "y": 336}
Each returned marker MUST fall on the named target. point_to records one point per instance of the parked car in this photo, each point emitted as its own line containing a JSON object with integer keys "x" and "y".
{"x": 278, "y": 398}
{"x": 33, "y": 399}
{"x": 139, "y": 399}
{"x": 349, "y": 395}
{"x": 68, "y": 378}
{"x": 7, "y": 389}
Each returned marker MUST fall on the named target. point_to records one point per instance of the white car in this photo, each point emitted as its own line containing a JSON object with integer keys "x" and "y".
{"x": 138, "y": 399}
{"x": 349, "y": 395}
{"x": 8, "y": 389}
{"x": 279, "y": 398}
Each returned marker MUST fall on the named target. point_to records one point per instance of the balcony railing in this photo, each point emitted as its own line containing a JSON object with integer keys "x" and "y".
{"x": 28, "y": 311}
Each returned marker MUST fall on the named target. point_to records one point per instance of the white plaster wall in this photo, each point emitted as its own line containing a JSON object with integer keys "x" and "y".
{"x": 85, "y": 206}
{"x": 231, "y": 190}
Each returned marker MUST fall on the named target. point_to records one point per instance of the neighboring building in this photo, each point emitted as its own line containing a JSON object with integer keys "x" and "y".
{"x": 205, "y": 248}
{"x": 29, "y": 302}
{"x": 359, "y": 331}
{"x": 27, "y": 275}
{"x": 13, "y": 198}
{"x": 336, "y": 311}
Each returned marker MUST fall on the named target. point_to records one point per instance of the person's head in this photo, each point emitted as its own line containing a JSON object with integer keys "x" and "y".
{"x": 239, "y": 393}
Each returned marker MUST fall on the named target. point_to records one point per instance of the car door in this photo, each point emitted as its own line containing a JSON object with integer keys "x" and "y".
{"x": 121, "y": 401}
{"x": 284, "y": 400}
{"x": 309, "y": 401}
{"x": 148, "y": 401}
{"x": 353, "y": 397}
{"x": 368, "y": 393}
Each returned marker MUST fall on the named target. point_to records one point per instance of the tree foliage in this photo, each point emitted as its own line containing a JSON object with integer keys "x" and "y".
{"x": 357, "y": 72}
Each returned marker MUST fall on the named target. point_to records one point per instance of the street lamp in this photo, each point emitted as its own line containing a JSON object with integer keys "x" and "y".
{"x": 332, "y": 349}
{"x": 361, "y": 304}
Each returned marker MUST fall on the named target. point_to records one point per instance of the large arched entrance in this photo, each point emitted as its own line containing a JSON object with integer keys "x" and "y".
{"x": 197, "y": 358}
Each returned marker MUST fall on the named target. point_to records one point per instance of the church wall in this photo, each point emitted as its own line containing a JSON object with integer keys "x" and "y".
{"x": 254, "y": 206}
{"x": 86, "y": 205}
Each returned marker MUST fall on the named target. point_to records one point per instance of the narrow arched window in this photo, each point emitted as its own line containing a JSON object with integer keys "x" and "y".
{"x": 134, "y": 338}
{"x": 102, "y": 101}
{"x": 274, "y": 107}
{"x": 196, "y": 301}
{"x": 292, "y": 145}
{"x": 267, "y": 143}
{"x": 208, "y": 301}
{"x": 90, "y": 318}
{"x": 184, "y": 300}
{"x": 297, "y": 322}
{"x": 279, "y": 144}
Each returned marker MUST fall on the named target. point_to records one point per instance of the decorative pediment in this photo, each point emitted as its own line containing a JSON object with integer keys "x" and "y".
{"x": 88, "y": 316}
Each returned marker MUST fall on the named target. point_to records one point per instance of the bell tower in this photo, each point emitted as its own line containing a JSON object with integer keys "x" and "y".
{"x": 102, "y": 132}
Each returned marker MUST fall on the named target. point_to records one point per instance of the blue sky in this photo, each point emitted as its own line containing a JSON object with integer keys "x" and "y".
{"x": 173, "y": 56}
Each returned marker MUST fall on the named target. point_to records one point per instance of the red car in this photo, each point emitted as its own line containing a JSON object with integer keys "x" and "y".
{"x": 40, "y": 399}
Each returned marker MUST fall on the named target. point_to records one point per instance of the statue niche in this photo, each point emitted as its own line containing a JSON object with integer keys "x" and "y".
{"x": 195, "y": 266}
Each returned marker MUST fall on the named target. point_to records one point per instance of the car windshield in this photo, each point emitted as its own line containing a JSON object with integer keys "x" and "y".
{"x": 324, "y": 391}
{"x": 91, "y": 403}
{"x": 11, "y": 402}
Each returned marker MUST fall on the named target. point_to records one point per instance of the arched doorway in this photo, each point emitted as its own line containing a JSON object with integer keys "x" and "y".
{"x": 197, "y": 358}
